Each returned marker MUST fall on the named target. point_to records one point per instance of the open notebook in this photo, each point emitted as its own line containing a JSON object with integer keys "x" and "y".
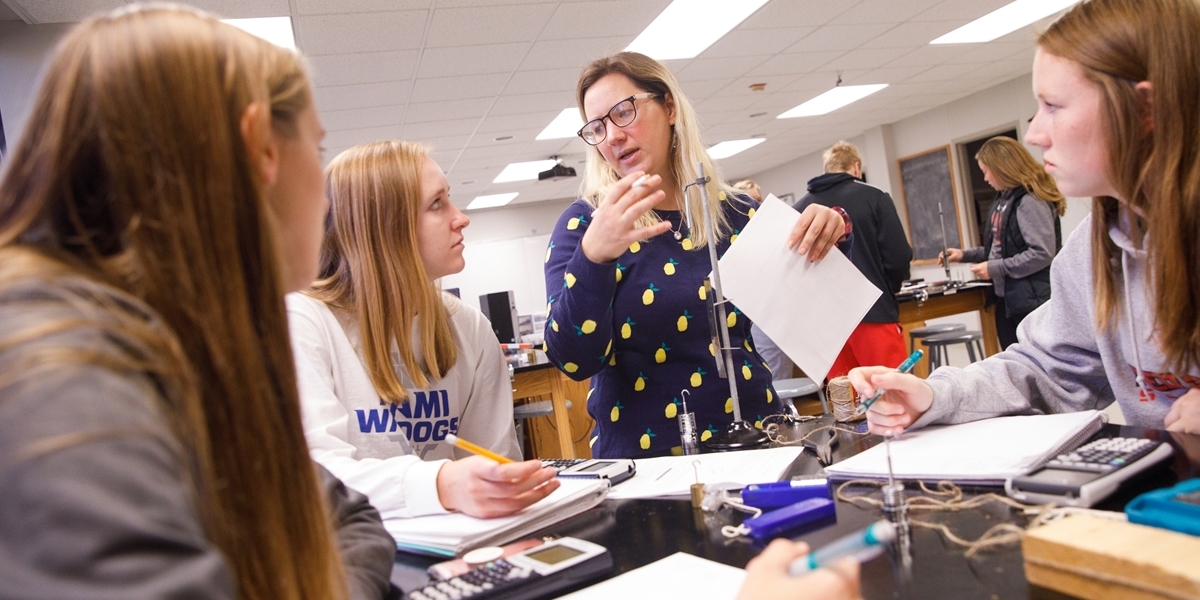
{"x": 455, "y": 533}
{"x": 981, "y": 452}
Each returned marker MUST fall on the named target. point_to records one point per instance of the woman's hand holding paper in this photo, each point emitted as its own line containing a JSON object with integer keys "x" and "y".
{"x": 614, "y": 222}
{"x": 817, "y": 231}
{"x": 480, "y": 487}
{"x": 906, "y": 399}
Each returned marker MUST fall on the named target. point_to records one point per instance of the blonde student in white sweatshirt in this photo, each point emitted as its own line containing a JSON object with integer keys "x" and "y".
{"x": 388, "y": 364}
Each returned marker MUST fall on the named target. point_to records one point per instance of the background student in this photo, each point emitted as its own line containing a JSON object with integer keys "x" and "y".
{"x": 1024, "y": 233}
{"x": 167, "y": 193}
{"x": 1118, "y": 119}
{"x": 389, "y": 364}
{"x": 624, "y": 274}
{"x": 881, "y": 253}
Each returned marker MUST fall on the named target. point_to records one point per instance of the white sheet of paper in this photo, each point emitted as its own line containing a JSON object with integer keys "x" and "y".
{"x": 668, "y": 476}
{"x": 679, "y": 575}
{"x": 808, "y": 309}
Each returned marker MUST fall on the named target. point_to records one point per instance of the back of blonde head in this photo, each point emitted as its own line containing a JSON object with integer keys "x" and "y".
{"x": 133, "y": 172}
{"x": 841, "y": 157}
{"x": 687, "y": 148}
{"x": 372, "y": 265}
{"x": 1012, "y": 166}
{"x": 1154, "y": 159}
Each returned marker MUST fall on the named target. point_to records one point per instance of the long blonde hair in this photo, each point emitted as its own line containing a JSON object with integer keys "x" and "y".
{"x": 1154, "y": 160}
{"x": 133, "y": 173}
{"x": 1012, "y": 166}
{"x": 372, "y": 267}
{"x": 687, "y": 148}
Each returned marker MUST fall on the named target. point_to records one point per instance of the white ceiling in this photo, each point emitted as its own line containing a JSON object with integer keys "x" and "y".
{"x": 479, "y": 79}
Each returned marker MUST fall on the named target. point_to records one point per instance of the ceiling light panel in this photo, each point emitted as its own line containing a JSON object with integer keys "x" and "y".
{"x": 277, "y": 30}
{"x": 492, "y": 201}
{"x": 832, "y": 100}
{"x": 523, "y": 171}
{"x": 1002, "y": 21}
{"x": 565, "y": 125}
{"x": 729, "y": 148}
{"x": 687, "y": 27}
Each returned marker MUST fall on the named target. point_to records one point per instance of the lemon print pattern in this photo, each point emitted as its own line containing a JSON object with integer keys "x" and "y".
{"x": 648, "y": 295}
{"x": 731, "y": 318}
{"x": 637, "y": 327}
{"x": 733, "y": 238}
{"x": 570, "y": 367}
{"x": 645, "y": 441}
{"x": 746, "y": 372}
{"x": 729, "y": 406}
{"x": 682, "y": 322}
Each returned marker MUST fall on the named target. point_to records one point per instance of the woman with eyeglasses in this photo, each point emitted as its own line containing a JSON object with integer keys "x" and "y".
{"x": 624, "y": 274}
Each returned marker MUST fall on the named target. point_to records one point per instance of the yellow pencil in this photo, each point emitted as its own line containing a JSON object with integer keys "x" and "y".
{"x": 480, "y": 450}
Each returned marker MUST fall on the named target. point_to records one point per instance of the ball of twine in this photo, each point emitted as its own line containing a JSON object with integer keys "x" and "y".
{"x": 840, "y": 395}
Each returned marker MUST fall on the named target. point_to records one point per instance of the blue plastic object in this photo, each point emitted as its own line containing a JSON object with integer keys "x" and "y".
{"x": 1176, "y": 508}
{"x": 769, "y": 496}
{"x": 772, "y": 523}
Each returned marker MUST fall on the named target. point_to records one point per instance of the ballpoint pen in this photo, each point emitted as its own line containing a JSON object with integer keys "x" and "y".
{"x": 904, "y": 367}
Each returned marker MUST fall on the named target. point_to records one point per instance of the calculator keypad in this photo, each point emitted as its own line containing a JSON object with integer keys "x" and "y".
{"x": 482, "y": 582}
{"x": 1103, "y": 456}
{"x": 561, "y": 463}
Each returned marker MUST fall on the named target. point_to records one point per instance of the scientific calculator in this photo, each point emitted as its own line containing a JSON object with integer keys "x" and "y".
{"x": 1089, "y": 473}
{"x": 614, "y": 470}
{"x": 541, "y": 572}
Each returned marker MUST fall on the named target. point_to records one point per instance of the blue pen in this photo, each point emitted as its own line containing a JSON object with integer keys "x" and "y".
{"x": 861, "y": 545}
{"x": 904, "y": 367}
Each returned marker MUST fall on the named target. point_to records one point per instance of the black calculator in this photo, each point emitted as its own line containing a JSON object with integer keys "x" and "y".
{"x": 544, "y": 571}
{"x": 1089, "y": 473}
{"x": 615, "y": 470}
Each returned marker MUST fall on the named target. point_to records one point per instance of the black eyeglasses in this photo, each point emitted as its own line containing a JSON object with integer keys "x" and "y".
{"x": 621, "y": 114}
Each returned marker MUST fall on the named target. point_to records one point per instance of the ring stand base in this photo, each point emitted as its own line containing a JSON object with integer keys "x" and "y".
{"x": 740, "y": 435}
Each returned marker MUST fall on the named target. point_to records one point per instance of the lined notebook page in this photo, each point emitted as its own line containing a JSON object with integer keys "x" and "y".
{"x": 983, "y": 452}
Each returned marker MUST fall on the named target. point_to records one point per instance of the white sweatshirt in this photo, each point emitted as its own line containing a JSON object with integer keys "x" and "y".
{"x": 392, "y": 453}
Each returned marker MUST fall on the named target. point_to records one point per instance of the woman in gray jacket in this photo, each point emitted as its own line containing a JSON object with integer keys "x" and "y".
{"x": 1023, "y": 236}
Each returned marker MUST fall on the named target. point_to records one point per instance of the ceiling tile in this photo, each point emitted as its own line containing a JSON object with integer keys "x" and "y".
{"x": 756, "y": 42}
{"x": 472, "y": 60}
{"x": 838, "y": 37}
{"x": 351, "y": 137}
{"x": 802, "y": 13}
{"x": 550, "y": 80}
{"x": 325, "y": 7}
{"x": 438, "y": 129}
{"x": 361, "y": 32}
{"x": 363, "y": 67}
{"x": 883, "y": 11}
{"x": 623, "y": 18}
{"x": 437, "y": 89}
{"x": 549, "y": 102}
{"x": 957, "y": 10}
{"x": 487, "y": 24}
{"x": 564, "y": 54}
{"x": 448, "y": 109}
{"x": 344, "y": 97}
{"x": 335, "y": 120}
{"x": 794, "y": 64}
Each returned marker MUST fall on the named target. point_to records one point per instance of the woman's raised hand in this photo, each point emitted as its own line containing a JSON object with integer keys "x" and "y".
{"x": 480, "y": 487}
{"x": 906, "y": 399}
{"x": 817, "y": 231}
{"x": 614, "y": 222}
{"x": 954, "y": 254}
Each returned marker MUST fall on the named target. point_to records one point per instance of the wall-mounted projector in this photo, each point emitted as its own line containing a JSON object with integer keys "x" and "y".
{"x": 558, "y": 171}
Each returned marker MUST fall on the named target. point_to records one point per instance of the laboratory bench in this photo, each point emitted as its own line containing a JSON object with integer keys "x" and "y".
{"x": 639, "y": 532}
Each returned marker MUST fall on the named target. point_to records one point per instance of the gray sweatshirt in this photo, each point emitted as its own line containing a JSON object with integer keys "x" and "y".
{"x": 95, "y": 503}
{"x": 1036, "y": 219}
{"x": 1063, "y": 362}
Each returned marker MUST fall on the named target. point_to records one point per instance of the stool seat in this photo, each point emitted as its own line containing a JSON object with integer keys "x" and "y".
{"x": 938, "y": 356}
{"x": 928, "y": 330}
{"x": 796, "y": 387}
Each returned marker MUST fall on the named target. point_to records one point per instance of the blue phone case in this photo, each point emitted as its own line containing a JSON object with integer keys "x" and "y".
{"x": 775, "y": 522}
{"x": 1168, "y": 509}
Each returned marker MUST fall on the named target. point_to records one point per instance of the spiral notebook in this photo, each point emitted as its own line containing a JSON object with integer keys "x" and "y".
{"x": 983, "y": 452}
{"x": 455, "y": 533}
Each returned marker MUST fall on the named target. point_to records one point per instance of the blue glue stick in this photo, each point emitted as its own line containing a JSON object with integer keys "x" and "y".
{"x": 858, "y": 544}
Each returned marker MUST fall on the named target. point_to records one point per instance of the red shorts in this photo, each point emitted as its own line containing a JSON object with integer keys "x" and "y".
{"x": 871, "y": 344}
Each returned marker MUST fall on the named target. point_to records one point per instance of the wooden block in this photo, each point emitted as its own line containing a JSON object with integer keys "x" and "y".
{"x": 1090, "y": 557}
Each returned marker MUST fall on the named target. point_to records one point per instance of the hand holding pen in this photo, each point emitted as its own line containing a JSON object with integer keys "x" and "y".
{"x": 902, "y": 398}
{"x": 905, "y": 367}
{"x": 490, "y": 485}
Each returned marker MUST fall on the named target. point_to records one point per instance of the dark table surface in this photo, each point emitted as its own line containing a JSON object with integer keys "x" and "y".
{"x": 638, "y": 532}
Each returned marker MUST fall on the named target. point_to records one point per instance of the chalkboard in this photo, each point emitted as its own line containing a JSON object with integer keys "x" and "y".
{"x": 927, "y": 182}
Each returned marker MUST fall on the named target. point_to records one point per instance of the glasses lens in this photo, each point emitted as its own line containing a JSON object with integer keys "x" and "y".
{"x": 623, "y": 113}
{"x": 593, "y": 132}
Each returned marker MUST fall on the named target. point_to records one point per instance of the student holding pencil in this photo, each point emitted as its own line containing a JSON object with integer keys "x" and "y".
{"x": 388, "y": 364}
{"x": 1118, "y": 120}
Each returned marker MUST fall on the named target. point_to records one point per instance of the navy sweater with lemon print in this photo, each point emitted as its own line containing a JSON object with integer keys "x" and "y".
{"x": 638, "y": 328}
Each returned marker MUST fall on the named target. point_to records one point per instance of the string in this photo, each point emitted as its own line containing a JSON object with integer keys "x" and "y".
{"x": 772, "y": 424}
{"x": 948, "y": 497}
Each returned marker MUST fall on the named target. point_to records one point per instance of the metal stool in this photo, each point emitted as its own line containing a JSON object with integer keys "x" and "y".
{"x": 928, "y": 330}
{"x": 529, "y": 410}
{"x": 796, "y": 387}
{"x": 938, "y": 356}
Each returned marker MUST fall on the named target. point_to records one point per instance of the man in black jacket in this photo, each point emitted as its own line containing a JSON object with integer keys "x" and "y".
{"x": 881, "y": 252}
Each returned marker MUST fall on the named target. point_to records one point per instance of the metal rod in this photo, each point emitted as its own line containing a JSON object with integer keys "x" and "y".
{"x": 945, "y": 249}
{"x": 718, "y": 296}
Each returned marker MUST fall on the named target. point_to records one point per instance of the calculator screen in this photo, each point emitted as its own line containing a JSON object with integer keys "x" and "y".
{"x": 596, "y": 466}
{"x": 554, "y": 554}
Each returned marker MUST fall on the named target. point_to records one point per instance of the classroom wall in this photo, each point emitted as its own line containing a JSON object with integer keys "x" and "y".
{"x": 23, "y": 49}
